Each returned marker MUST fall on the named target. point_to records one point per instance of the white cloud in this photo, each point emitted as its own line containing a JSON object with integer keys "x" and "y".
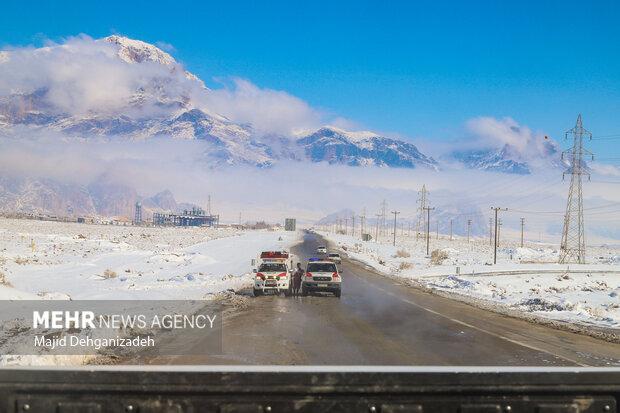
{"x": 521, "y": 141}
{"x": 604, "y": 169}
{"x": 84, "y": 75}
{"x": 267, "y": 110}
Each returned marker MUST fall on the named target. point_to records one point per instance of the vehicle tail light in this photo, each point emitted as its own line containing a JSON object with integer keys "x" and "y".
{"x": 282, "y": 275}
{"x": 261, "y": 276}
{"x": 309, "y": 274}
{"x": 335, "y": 275}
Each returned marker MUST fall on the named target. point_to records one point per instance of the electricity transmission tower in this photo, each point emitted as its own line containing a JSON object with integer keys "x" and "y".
{"x": 377, "y": 227}
{"x": 422, "y": 200}
{"x": 522, "y": 227}
{"x": 428, "y": 227}
{"x": 383, "y": 215}
{"x": 573, "y": 245}
{"x": 362, "y": 221}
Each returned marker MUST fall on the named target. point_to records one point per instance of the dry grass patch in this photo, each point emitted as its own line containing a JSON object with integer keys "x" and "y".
{"x": 4, "y": 281}
{"x": 404, "y": 265}
{"x": 107, "y": 274}
{"x": 21, "y": 261}
{"x": 438, "y": 257}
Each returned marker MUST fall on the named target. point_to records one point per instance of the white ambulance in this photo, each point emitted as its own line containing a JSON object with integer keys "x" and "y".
{"x": 273, "y": 272}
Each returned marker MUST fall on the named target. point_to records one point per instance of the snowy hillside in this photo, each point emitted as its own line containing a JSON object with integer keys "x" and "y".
{"x": 507, "y": 147}
{"x": 335, "y": 145}
{"x": 100, "y": 198}
{"x": 491, "y": 160}
{"x": 143, "y": 92}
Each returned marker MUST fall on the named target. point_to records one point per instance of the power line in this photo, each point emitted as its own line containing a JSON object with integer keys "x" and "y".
{"x": 613, "y": 204}
{"x": 605, "y": 182}
{"x": 606, "y": 138}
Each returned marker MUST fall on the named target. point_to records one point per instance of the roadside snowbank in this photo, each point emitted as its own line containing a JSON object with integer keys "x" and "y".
{"x": 527, "y": 280}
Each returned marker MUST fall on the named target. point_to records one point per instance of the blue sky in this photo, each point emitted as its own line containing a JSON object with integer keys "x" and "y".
{"x": 420, "y": 69}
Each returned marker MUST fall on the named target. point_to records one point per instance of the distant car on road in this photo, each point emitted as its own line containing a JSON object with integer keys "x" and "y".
{"x": 321, "y": 250}
{"x": 321, "y": 276}
{"x": 335, "y": 257}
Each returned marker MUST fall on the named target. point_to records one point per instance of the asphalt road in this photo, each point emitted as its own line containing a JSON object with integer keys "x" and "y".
{"x": 379, "y": 321}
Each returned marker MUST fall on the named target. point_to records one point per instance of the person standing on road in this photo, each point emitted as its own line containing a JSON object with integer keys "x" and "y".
{"x": 297, "y": 276}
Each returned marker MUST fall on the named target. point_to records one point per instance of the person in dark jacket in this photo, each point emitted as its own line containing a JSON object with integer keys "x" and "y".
{"x": 297, "y": 276}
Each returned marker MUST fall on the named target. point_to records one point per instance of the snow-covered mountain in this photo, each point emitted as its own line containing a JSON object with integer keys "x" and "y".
{"x": 158, "y": 97}
{"x": 337, "y": 146}
{"x": 508, "y": 159}
{"x": 491, "y": 160}
{"x": 102, "y": 198}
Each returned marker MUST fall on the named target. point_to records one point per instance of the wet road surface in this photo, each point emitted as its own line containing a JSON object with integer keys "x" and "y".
{"x": 379, "y": 321}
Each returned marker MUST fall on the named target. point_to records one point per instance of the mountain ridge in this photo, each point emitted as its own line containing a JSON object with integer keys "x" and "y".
{"x": 163, "y": 103}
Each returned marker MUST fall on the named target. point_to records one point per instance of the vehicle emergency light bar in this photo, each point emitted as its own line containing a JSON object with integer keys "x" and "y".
{"x": 313, "y": 259}
{"x": 274, "y": 254}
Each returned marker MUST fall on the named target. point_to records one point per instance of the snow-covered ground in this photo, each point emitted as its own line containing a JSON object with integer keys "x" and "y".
{"x": 527, "y": 280}
{"x": 44, "y": 260}
{"x": 54, "y": 260}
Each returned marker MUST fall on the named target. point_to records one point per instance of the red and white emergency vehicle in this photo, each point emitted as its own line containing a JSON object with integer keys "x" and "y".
{"x": 272, "y": 272}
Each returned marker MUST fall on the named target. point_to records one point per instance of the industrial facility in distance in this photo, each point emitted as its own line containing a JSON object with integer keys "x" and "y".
{"x": 196, "y": 217}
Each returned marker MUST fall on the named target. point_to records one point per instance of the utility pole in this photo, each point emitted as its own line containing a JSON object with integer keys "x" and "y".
{"x": 428, "y": 223}
{"x": 346, "y": 226}
{"x": 451, "y": 229}
{"x": 468, "y": 229}
{"x": 362, "y": 219}
{"x": 437, "y": 229}
{"x": 573, "y": 245}
{"x": 353, "y": 224}
{"x": 499, "y": 231}
{"x": 209, "y": 205}
{"x": 395, "y": 214}
{"x": 522, "y": 226}
{"x": 377, "y": 227}
{"x": 490, "y": 231}
{"x": 496, "y": 209}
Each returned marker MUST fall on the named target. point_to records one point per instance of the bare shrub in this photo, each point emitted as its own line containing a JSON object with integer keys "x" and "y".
{"x": 4, "y": 281}
{"x": 404, "y": 265}
{"x": 438, "y": 257}
{"x": 21, "y": 261}
{"x": 402, "y": 254}
{"x": 109, "y": 274}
